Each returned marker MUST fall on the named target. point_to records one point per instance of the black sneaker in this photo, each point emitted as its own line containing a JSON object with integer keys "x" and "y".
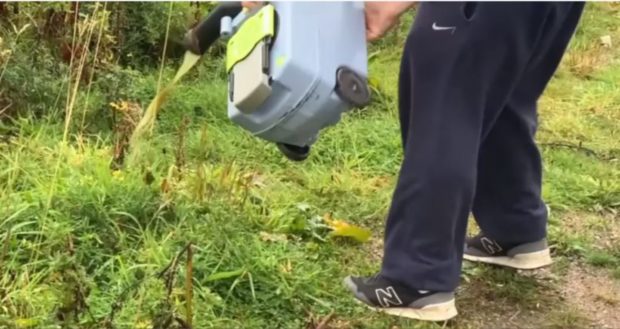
{"x": 382, "y": 295}
{"x": 525, "y": 256}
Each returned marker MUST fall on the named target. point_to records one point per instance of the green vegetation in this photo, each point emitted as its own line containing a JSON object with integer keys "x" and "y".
{"x": 88, "y": 242}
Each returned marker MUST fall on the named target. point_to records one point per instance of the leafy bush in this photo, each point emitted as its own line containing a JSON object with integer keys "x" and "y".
{"x": 43, "y": 45}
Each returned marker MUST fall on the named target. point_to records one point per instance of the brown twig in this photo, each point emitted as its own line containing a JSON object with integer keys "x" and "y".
{"x": 322, "y": 324}
{"x": 168, "y": 273}
{"x": 325, "y": 321}
{"x": 182, "y": 323}
{"x": 170, "y": 270}
{"x": 5, "y": 108}
{"x": 188, "y": 286}
{"x": 180, "y": 150}
{"x": 5, "y": 249}
{"x": 514, "y": 315}
{"x": 581, "y": 148}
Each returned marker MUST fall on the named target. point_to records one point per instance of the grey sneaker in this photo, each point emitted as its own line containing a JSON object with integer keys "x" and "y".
{"x": 525, "y": 256}
{"x": 380, "y": 294}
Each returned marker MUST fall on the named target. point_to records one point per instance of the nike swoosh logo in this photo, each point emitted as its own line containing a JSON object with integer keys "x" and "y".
{"x": 444, "y": 28}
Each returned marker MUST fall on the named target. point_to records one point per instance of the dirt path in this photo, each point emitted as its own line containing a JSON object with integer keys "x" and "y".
{"x": 576, "y": 297}
{"x": 568, "y": 295}
{"x": 594, "y": 293}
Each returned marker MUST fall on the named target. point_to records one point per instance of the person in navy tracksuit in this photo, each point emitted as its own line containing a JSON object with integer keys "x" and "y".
{"x": 470, "y": 78}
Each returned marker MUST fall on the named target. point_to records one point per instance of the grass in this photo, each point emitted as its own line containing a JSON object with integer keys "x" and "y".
{"x": 602, "y": 259}
{"x": 565, "y": 319}
{"x": 260, "y": 252}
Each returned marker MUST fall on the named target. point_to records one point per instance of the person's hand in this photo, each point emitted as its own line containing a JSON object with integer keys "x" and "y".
{"x": 250, "y": 4}
{"x": 382, "y": 16}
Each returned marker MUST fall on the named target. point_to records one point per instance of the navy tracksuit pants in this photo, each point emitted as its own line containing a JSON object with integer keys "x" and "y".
{"x": 471, "y": 75}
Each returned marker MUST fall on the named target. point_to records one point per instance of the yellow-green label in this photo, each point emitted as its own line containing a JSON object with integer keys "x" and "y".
{"x": 250, "y": 33}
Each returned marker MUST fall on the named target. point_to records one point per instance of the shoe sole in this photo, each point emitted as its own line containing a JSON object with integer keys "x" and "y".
{"x": 528, "y": 261}
{"x": 434, "y": 313}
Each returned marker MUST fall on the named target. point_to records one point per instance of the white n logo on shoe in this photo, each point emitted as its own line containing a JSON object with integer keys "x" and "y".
{"x": 387, "y": 297}
{"x": 490, "y": 245}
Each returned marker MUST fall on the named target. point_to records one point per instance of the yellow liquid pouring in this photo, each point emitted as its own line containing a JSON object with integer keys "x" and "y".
{"x": 148, "y": 119}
